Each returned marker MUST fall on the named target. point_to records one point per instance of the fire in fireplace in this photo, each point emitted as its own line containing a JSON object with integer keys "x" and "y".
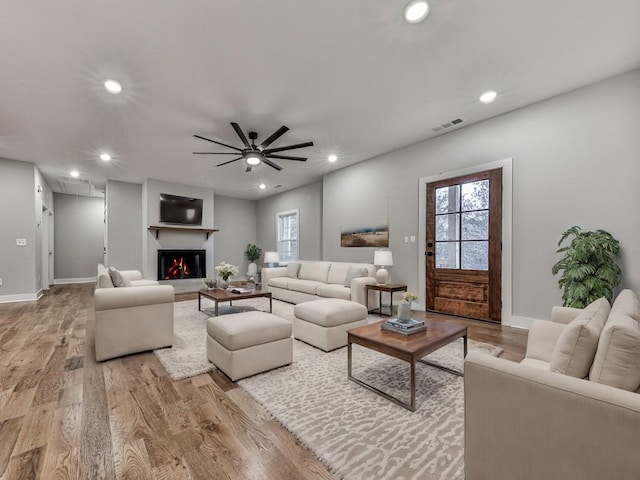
{"x": 180, "y": 264}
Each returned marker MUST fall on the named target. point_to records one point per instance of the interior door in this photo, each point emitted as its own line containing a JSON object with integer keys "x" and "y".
{"x": 464, "y": 246}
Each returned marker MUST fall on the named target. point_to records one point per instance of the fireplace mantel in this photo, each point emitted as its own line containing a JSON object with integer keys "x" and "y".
{"x": 176, "y": 228}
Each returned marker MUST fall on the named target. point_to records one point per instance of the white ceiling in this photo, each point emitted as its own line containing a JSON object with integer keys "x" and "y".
{"x": 351, "y": 76}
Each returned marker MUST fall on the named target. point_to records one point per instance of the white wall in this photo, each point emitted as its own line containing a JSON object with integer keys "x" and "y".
{"x": 17, "y": 220}
{"x": 236, "y": 219}
{"x": 124, "y": 218}
{"x": 78, "y": 237}
{"x": 151, "y": 190}
{"x": 576, "y": 161}
{"x": 308, "y": 200}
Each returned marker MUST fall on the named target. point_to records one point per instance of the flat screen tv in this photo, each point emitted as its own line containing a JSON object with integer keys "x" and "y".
{"x": 180, "y": 210}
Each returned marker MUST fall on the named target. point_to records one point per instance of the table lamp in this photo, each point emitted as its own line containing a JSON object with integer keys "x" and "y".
{"x": 271, "y": 258}
{"x": 382, "y": 258}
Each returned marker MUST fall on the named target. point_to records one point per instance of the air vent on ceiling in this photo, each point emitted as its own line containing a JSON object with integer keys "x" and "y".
{"x": 452, "y": 123}
{"x": 76, "y": 186}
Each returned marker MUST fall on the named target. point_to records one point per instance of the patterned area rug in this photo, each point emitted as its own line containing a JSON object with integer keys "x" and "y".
{"x": 360, "y": 435}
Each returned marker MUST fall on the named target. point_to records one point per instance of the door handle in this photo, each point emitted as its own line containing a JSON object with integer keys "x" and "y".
{"x": 429, "y": 254}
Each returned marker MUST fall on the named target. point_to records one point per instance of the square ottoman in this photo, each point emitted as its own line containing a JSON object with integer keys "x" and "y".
{"x": 243, "y": 344}
{"x": 324, "y": 323}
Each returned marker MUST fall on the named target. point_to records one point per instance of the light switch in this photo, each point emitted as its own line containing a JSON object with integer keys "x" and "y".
{"x": 406, "y": 239}
{"x": 413, "y": 239}
{"x": 21, "y": 242}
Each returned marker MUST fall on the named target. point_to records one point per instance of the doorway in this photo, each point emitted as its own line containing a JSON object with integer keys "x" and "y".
{"x": 47, "y": 249}
{"x": 463, "y": 255}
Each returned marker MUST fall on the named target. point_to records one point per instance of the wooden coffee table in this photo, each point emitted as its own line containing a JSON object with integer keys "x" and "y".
{"x": 410, "y": 349}
{"x": 220, "y": 296}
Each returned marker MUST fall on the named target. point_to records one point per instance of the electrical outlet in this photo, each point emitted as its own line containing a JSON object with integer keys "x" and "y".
{"x": 1, "y": 282}
{"x": 413, "y": 239}
{"x": 406, "y": 239}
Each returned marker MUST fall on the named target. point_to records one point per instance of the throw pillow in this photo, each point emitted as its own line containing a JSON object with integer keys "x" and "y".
{"x": 617, "y": 360}
{"x": 116, "y": 277}
{"x": 293, "y": 269}
{"x": 577, "y": 344}
{"x": 353, "y": 272}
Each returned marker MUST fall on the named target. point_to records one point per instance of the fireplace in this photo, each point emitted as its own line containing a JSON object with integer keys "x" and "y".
{"x": 181, "y": 264}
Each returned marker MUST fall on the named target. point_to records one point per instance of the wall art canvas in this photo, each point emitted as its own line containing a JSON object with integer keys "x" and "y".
{"x": 366, "y": 225}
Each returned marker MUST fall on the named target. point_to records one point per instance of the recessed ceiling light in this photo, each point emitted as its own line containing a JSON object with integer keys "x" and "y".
{"x": 416, "y": 11}
{"x": 113, "y": 86}
{"x": 488, "y": 96}
{"x": 105, "y": 157}
{"x": 74, "y": 173}
{"x": 253, "y": 159}
{"x": 332, "y": 158}
{"x": 262, "y": 186}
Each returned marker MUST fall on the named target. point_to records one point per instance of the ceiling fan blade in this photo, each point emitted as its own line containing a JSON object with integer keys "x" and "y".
{"x": 272, "y": 164}
{"x": 274, "y": 136}
{"x": 215, "y": 153}
{"x": 241, "y": 134}
{"x": 224, "y": 163}
{"x": 288, "y": 147}
{"x": 219, "y": 143}
{"x": 248, "y": 169}
{"x": 286, "y": 157}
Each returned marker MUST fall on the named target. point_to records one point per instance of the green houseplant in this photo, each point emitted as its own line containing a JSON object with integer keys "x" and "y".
{"x": 589, "y": 269}
{"x": 252, "y": 252}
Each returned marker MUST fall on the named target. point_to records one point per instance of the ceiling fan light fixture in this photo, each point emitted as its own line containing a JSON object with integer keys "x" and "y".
{"x": 112, "y": 86}
{"x": 253, "y": 159}
{"x": 416, "y": 11}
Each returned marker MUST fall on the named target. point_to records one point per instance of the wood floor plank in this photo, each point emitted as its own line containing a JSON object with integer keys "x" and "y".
{"x": 132, "y": 461}
{"x": 9, "y": 431}
{"x": 18, "y": 404}
{"x": 35, "y": 428}
{"x": 26, "y": 466}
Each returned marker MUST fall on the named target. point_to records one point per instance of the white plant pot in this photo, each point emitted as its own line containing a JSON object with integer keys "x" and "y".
{"x": 252, "y": 270}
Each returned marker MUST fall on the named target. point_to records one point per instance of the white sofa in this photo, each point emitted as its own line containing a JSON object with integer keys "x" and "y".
{"x": 131, "y": 319}
{"x": 529, "y": 421}
{"x": 304, "y": 281}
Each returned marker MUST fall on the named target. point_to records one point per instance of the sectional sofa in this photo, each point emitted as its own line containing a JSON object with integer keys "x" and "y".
{"x": 310, "y": 280}
{"x": 570, "y": 410}
{"x": 132, "y": 318}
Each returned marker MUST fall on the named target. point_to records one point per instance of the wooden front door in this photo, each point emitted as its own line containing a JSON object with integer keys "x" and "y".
{"x": 464, "y": 246}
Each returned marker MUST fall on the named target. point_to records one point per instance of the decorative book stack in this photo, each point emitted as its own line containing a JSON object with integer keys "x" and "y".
{"x": 404, "y": 327}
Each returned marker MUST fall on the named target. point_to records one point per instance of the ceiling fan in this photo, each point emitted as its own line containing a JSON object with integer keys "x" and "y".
{"x": 255, "y": 154}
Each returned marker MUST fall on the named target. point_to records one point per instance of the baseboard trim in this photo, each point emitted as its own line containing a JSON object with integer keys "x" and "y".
{"x": 65, "y": 281}
{"x": 21, "y": 297}
{"x": 519, "y": 322}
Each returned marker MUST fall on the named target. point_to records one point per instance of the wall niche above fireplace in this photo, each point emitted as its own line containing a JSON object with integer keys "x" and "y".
{"x": 182, "y": 264}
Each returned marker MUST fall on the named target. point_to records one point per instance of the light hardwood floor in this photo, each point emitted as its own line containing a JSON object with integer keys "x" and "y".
{"x": 65, "y": 416}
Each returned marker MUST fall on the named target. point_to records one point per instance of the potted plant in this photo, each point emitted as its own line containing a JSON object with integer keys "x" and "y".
{"x": 252, "y": 252}
{"x": 589, "y": 270}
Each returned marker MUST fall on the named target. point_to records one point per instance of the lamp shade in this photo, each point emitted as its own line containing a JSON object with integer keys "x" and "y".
{"x": 271, "y": 257}
{"x": 382, "y": 258}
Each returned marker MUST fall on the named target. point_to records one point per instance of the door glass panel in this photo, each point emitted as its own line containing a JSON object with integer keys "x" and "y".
{"x": 448, "y": 199}
{"x": 475, "y": 195}
{"x": 475, "y": 225}
{"x": 475, "y": 255}
{"x": 448, "y": 227}
{"x": 447, "y": 255}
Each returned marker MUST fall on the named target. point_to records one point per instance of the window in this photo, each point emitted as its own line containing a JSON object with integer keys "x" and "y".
{"x": 462, "y": 226}
{"x": 287, "y": 236}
